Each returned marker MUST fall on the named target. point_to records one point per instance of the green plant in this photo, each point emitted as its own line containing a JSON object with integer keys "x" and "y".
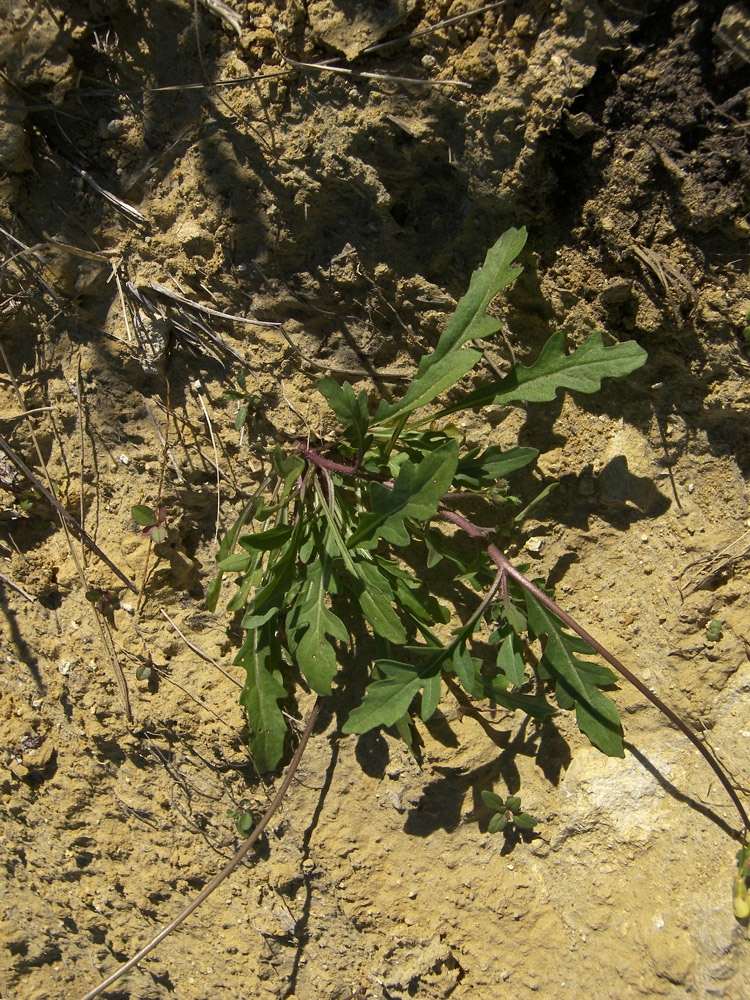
{"x": 351, "y": 536}
{"x": 507, "y": 813}
{"x": 249, "y": 401}
{"x": 146, "y": 666}
{"x": 152, "y": 522}
{"x": 715, "y": 630}
{"x": 244, "y": 818}
{"x": 105, "y": 602}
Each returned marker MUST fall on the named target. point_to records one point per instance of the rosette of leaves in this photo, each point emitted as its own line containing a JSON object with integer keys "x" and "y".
{"x": 347, "y": 540}
{"x": 508, "y": 812}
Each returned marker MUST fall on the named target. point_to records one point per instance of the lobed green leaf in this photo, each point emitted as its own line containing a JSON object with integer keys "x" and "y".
{"x": 313, "y": 652}
{"x": 376, "y": 599}
{"x": 447, "y": 363}
{"x": 388, "y": 698}
{"x": 581, "y": 371}
{"x": 260, "y": 696}
{"x": 351, "y": 409}
{"x": 476, "y": 472}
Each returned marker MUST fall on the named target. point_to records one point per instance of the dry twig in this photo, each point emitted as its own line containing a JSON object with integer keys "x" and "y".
{"x": 228, "y": 867}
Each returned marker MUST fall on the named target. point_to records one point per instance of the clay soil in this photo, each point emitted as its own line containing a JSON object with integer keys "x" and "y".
{"x": 145, "y": 144}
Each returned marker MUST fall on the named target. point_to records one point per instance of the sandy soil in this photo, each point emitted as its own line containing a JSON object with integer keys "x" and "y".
{"x": 352, "y": 211}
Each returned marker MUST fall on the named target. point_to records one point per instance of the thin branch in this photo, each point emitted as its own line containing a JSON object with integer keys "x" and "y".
{"x": 29, "y": 413}
{"x": 130, "y": 211}
{"x": 362, "y": 75}
{"x": 228, "y": 867}
{"x": 19, "y": 590}
{"x": 386, "y": 374}
{"x": 218, "y": 471}
{"x": 432, "y": 28}
{"x": 229, "y": 16}
{"x": 247, "y": 320}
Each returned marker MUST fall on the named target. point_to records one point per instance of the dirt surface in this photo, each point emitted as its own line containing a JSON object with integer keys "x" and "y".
{"x": 352, "y": 210}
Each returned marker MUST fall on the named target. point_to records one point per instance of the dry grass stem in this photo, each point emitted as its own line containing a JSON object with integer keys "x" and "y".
{"x": 67, "y": 522}
{"x": 216, "y": 466}
{"x": 357, "y": 74}
{"x": 199, "y": 652}
{"x": 127, "y": 210}
{"x": 246, "y": 320}
{"x": 716, "y": 562}
{"x": 162, "y": 441}
{"x": 18, "y": 589}
{"x": 229, "y": 16}
{"x": 432, "y": 28}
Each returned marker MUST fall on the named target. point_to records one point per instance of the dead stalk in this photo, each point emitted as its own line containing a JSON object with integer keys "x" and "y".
{"x": 218, "y": 471}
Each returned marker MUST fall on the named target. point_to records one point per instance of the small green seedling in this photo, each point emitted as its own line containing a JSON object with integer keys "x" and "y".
{"x": 244, "y": 818}
{"x": 37, "y": 509}
{"x": 249, "y": 401}
{"x": 746, "y": 331}
{"x": 105, "y": 602}
{"x": 146, "y": 668}
{"x": 714, "y": 630}
{"x": 153, "y": 523}
{"x": 28, "y": 500}
{"x": 508, "y": 813}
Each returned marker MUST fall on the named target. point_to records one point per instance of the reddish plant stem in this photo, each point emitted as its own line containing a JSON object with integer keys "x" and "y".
{"x": 328, "y": 464}
{"x": 502, "y": 562}
{"x": 507, "y": 567}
